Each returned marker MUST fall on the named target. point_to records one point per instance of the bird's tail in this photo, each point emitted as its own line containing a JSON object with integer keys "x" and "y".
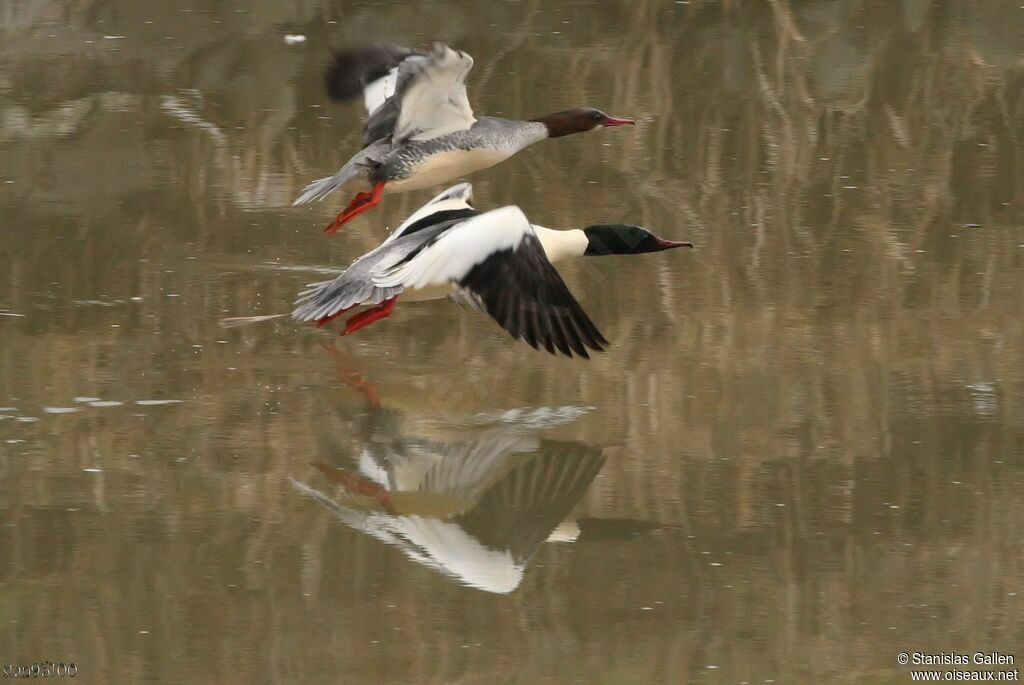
{"x": 321, "y": 188}
{"x": 322, "y": 301}
{"x": 317, "y": 190}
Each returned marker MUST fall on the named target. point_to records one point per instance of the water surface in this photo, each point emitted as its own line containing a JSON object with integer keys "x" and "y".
{"x": 802, "y": 453}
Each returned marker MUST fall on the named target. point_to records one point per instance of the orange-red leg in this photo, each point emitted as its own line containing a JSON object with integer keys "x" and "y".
{"x": 365, "y": 318}
{"x": 321, "y": 322}
{"x": 362, "y": 202}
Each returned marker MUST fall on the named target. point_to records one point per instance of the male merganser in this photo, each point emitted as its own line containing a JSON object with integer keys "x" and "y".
{"x": 421, "y": 130}
{"x": 495, "y": 261}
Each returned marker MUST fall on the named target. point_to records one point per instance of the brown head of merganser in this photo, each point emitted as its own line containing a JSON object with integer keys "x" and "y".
{"x": 579, "y": 120}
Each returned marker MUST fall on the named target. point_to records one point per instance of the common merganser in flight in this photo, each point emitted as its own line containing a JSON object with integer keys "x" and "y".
{"x": 421, "y": 131}
{"x": 495, "y": 261}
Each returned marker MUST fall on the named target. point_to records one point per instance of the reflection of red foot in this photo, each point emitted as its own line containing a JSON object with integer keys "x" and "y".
{"x": 357, "y": 485}
{"x": 360, "y": 203}
{"x": 365, "y": 318}
{"x": 353, "y": 379}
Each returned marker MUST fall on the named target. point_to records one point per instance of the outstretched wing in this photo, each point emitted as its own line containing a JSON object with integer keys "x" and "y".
{"x": 409, "y": 95}
{"x": 432, "y": 101}
{"x": 500, "y": 264}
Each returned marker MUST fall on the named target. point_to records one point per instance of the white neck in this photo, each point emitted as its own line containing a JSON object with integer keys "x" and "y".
{"x": 531, "y": 132}
{"x": 559, "y": 245}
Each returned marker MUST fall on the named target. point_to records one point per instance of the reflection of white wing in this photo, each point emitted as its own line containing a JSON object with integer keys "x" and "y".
{"x": 455, "y": 552}
{"x": 471, "y": 468}
{"x": 440, "y": 545}
{"x": 459, "y": 470}
{"x": 433, "y": 100}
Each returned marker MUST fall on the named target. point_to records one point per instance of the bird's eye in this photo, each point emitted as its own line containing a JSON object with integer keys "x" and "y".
{"x": 595, "y": 116}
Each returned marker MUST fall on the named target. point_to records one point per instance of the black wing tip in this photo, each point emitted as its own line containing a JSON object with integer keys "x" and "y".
{"x": 566, "y": 344}
{"x": 353, "y": 68}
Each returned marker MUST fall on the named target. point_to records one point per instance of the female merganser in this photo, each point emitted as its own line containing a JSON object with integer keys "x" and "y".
{"x": 495, "y": 261}
{"x": 421, "y": 130}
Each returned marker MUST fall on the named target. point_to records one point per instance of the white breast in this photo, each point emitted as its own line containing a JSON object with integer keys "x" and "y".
{"x": 559, "y": 245}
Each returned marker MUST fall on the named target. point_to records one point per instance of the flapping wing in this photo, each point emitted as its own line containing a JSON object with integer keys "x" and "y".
{"x": 371, "y": 72}
{"x": 409, "y": 95}
{"x": 431, "y": 96}
{"x": 497, "y": 259}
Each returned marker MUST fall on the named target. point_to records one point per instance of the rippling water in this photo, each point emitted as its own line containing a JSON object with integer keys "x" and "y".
{"x": 802, "y": 454}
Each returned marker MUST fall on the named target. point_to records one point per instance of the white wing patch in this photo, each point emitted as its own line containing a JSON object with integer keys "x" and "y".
{"x": 459, "y": 196}
{"x": 434, "y": 103}
{"x": 376, "y": 92}
{"x": 452, "y": 256}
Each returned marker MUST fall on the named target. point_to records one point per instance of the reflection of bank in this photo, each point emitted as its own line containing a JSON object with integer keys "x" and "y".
{"x": 475, "y": 509}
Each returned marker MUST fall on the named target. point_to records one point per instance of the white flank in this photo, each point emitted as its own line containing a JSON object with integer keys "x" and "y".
{"x": 435, "y": 102}
{"x": 461, "y": 248}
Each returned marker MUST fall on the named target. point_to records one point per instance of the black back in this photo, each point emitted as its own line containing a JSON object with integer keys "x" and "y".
{"x": 448, "y": 215}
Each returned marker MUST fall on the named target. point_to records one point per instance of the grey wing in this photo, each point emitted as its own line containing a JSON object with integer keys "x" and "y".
{"x": 408, "y": 94}
{"x": 432, "y": 99}
{"x": 429, "y": 99}
{"x": 376, "y": 73}
{"x": 384, "y": 99}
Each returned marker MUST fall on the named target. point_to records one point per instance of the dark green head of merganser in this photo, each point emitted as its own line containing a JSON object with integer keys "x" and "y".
{"x": 609, "y": 239}
{"x": 579, "y": 120}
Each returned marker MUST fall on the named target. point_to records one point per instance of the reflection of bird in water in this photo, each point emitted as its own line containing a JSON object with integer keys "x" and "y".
{"x": 495, "y": 261}
{"x": 421, "y": 130}
{"x": 476, "y": 511}
{"x": 471, "y": 497}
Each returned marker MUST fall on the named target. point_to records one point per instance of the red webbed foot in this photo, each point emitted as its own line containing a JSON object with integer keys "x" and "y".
{"x": 362, "y": 202}
{"x": 365, "y": 318}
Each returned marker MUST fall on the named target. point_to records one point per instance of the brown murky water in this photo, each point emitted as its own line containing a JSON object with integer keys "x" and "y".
{"x": 802, "y": 454}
